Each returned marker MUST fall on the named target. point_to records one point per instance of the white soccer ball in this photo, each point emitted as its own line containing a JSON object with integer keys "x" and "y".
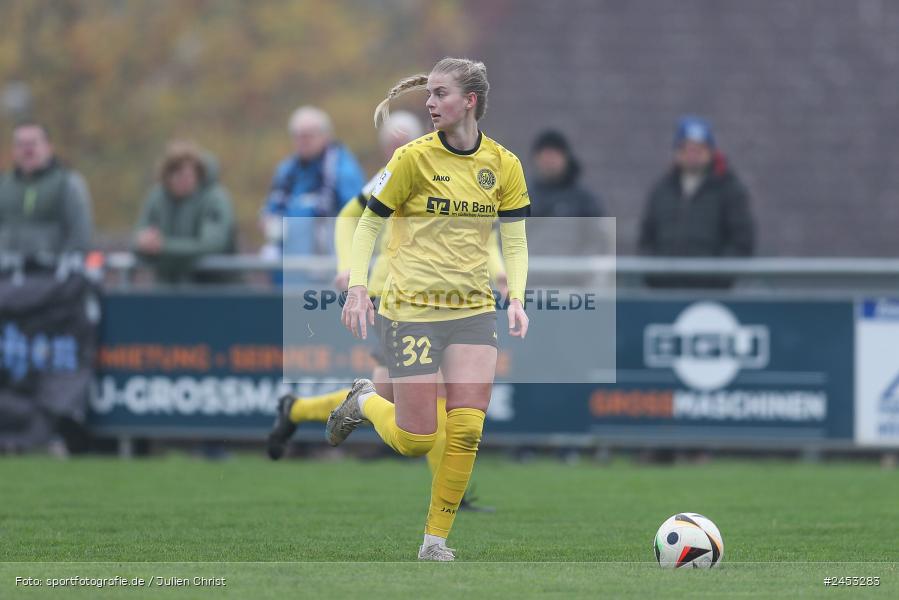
{"x": 688, "y": 540}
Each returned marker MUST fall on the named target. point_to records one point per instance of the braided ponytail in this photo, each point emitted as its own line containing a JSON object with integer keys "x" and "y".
{"x": 403, "y": 86}
{"x": 470, "y": 75}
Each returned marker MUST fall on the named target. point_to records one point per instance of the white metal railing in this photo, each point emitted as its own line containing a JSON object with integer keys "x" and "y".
{"x": 836, "y": 273}
{"x": 634, "y": 265}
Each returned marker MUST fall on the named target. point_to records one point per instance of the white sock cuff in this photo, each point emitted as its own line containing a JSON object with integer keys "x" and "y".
{"x": 361, "y": 398}
{"x": 434, "y": 539}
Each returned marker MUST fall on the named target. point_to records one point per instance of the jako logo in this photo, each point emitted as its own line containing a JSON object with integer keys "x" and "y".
{"x": 706, "y": 346}
{"x": 444, "y": 178}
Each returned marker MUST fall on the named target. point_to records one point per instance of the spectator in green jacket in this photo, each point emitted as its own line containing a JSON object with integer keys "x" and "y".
{"x": 186, "y": 215}
{"x": 45, "y": 207}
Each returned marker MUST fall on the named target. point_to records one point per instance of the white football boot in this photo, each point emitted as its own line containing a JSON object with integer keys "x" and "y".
{"x": 436, "y": 552}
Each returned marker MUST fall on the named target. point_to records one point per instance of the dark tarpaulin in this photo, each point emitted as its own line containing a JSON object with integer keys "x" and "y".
{"x": 48, "y": 330}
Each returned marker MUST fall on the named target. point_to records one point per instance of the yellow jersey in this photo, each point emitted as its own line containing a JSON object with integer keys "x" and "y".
{"x": 444, "y": 202}
{"x": 343, "y": 238}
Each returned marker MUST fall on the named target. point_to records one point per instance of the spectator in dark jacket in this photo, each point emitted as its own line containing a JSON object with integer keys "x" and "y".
{"x": 45, "y": 207}
{"x": 186, "y": 215}
{"x": 556, "y": 192}
{"x": 699, "y": 208}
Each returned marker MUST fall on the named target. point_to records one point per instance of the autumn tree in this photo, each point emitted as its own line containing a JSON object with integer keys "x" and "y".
{"x": 115, "y": 79}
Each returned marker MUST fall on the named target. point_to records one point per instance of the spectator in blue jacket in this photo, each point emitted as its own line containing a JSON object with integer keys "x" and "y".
{"x": 316, "y": 181}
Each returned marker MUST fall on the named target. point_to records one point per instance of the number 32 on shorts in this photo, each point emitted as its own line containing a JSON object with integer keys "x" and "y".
{"x": 411, "y": 355}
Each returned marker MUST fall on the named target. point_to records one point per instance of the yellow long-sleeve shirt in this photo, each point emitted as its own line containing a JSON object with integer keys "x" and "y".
{"x": 345, "y": 227}
{"x": 446, "y": 202}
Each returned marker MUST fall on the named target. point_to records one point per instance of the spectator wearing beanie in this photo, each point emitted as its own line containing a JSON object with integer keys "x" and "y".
{"x": 698, "y": 208}
{"x": 556, "y": 192}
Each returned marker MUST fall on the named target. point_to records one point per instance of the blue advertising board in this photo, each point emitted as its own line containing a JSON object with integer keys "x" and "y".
{"x": 736, "y": 370}
{"x": 731, "y": 370}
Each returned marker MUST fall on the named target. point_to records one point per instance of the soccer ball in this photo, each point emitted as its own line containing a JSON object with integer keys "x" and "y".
{"x": 688, "y": 540}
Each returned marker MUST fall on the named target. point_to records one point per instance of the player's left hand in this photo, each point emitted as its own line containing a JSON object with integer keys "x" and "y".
{"x": 518, "y": 320}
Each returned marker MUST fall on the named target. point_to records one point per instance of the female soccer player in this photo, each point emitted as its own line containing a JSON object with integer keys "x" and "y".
{"x": 446, "y": 189}
{"x": 397, "y": 130}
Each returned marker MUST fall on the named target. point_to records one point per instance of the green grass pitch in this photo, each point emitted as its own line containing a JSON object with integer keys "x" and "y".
{"x": 334, "y": 529}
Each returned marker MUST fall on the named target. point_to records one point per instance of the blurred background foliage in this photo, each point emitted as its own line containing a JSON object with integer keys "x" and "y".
{"x": 115, "y": 79}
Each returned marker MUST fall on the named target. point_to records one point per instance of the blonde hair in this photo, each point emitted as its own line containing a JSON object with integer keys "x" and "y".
{"x": 469, "y": 74}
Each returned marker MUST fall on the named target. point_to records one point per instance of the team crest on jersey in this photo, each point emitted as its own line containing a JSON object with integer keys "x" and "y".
{"x": 486, "y": 179}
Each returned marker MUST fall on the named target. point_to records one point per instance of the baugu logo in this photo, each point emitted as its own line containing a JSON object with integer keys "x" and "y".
{"x": 706, "y": 346}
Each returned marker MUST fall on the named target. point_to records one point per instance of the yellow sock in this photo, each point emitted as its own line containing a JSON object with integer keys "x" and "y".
{"x": 317, "y": 408}
{"x": 382, "y": 414}
{"x": 436, "y": 453}
{"x": 463, "y": 434}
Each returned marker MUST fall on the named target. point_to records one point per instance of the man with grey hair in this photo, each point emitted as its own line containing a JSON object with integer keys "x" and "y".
{"x": 45, "y": 207}
{"x": 316, "y": 181}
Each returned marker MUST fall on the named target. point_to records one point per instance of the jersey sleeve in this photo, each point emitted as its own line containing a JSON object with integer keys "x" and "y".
{"x": 368, "y": 187}
{"x": 364, "y": 238}
{"x": 515, "y": 251}
{"x": 344, "y": 228}
{"x": 495, "y": 258}
{"x": 514, "y": 202}
{"x": 395, "y": 184}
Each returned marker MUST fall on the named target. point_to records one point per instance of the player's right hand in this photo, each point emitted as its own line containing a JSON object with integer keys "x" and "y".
{"x": 358, "y": 311}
